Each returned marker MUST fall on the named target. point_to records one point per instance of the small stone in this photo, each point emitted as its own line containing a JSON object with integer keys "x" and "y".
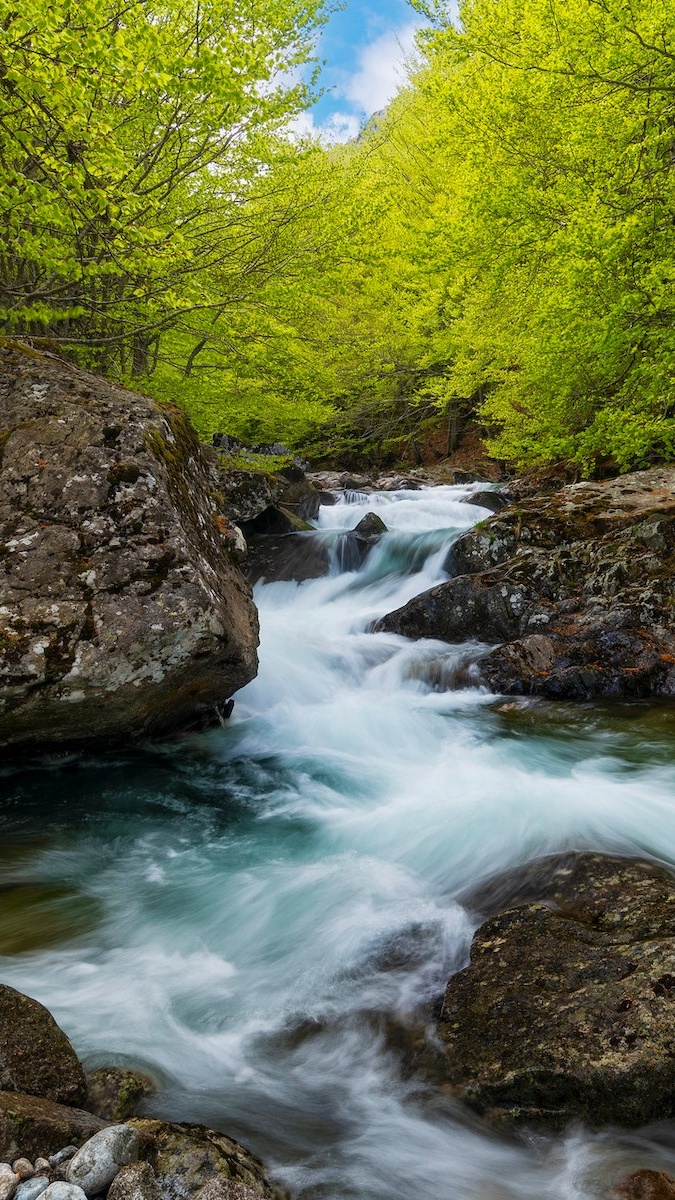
{"x": 97, "y": 1162}
{"x": 63, "y": 1191}
{"x": 62, "y": 1155}
{"x": 135, "y": 1182}
{"x": 8, "y": 1182}
{"x": 30, "y": 1189}
{"x": 23, "y": 1168}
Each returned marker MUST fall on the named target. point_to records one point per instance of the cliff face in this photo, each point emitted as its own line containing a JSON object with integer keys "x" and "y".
{"x": 122, "y": 611}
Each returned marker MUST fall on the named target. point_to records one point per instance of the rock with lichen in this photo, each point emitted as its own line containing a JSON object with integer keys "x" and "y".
{"x": 565, "y": 1011}
{"x": 576, "y": 586}
{"x": 122, "y": 611}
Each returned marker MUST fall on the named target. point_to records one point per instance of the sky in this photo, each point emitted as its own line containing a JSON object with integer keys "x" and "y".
{"x": 364, "y": 47}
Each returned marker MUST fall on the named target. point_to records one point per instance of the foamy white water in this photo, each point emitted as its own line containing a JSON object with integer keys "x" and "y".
{"x": 270, "y": 892}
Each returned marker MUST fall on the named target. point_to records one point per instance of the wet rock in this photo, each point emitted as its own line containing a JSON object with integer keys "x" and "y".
{"x": 291, "y": 556}
{"x": 135, "y": 1182}
{"x": 644, "y": 1185}
{"x": 115, "y": 1092}
{"x": 32, "y": 1126}
{"x": 96, "y": 1164}
{"x": 492, "y": 500}
{"x": 123, "y": 613}
{"x": 60, "y": 1190}
{"x": 186, "y": 1157}
{"x": 8, "y": 1181}
{"x": 465, "y": 608}
{"x": 565, "y": 1012}
{"x": 576, "y": 584}
{"x": 370, "y": 526}
{"x": 354, "y": 547}
{"x": 30, "y": 1189}
{"x": 35, "y": 1054}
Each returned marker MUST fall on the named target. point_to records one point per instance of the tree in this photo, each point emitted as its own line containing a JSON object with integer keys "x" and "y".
{"x": 131, "y": 132}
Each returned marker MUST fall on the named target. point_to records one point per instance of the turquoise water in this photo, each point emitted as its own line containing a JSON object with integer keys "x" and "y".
{"x": 243, "y": 912}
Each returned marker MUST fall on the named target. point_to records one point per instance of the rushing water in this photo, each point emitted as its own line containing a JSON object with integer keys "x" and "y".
{"x": 246, "y": 912}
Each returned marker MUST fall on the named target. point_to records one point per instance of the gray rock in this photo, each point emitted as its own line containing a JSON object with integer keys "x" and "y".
{"x": 62, "y": 1155}
{"x": 35, "y": 1054}
{"x": 63, "y": 1191}
{"x": 97, "y": 1162}
{"x": 122, "y": 611}
{"x": 135, "y": 1182}
{"x": 9, "y": 1182}
{"x": 30, "y": 1189}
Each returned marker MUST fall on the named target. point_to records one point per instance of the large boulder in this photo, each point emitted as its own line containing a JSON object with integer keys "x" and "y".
{"x": 566, "y": 1010}
{"x": 576, "y": 585}
{"x": 122, "y": 611}
{"x": 32, "y": 1127}
{"x": 35, "y": 1054}
{"x": 186, "y": 1157}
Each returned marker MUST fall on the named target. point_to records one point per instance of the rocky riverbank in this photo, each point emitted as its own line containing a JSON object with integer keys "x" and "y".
{"x": 576, "y": 585}
{"x": 58, "y": 1142}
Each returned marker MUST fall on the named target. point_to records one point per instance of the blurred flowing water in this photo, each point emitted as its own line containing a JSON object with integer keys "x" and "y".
{"x": 246, "y": 912}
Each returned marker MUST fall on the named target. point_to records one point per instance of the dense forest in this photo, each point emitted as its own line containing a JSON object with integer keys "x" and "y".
{"x": 500, "y": 242}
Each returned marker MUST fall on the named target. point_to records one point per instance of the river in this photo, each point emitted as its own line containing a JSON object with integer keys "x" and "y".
{"x": 239, "y": 911}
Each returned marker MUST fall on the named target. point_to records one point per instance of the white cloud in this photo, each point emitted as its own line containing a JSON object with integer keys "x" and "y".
{"x": 381, "y": 70}
{"x": 338, "y": 127}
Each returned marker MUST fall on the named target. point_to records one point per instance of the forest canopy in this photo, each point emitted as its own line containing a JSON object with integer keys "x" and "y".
{"x": 500, "y": 242}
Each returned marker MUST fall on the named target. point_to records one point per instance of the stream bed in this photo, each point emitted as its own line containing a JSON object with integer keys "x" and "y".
{"x": 245, "y": 912}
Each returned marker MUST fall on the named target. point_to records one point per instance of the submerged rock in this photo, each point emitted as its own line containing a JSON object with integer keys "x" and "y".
{"x": 566, "y": 1011}
{"x": 35, "y": 1054}
{"x": 123, "y": 613}
{"x": 577, "y": 585}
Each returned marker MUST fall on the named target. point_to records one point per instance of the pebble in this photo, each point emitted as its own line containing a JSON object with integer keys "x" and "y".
{"x": 97, "y": 1162}
{"x": 30, "y": 1189}
{"x": 9, "y": 1182}
{"x": 62, "y": 1155}
{"x": 23, "y": 1168}
{"x": 63, "y": 1191}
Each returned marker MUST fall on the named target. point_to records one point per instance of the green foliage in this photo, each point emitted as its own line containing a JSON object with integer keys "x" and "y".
{"x": 132, "y": 132}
